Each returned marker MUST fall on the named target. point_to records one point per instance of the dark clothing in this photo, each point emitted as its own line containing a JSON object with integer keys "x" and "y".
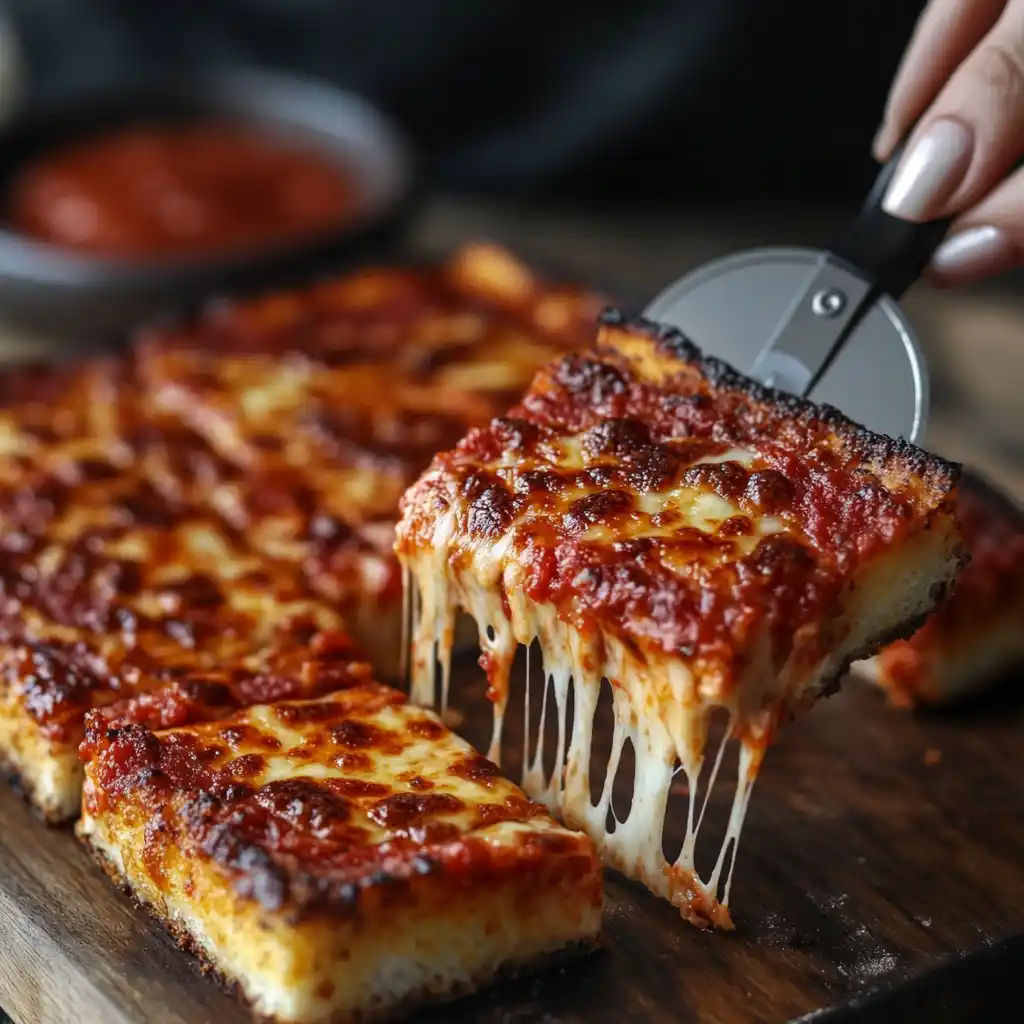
{"x": 654, "y": 99}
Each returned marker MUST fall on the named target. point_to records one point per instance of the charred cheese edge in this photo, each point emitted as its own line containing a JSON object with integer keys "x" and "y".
{"x": 977, "y": 636}
{"x": 655, "y": 519}
{"x": 339, "y": 859}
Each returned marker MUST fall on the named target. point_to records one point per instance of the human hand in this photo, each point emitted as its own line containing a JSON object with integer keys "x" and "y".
{"x": 962, "y": 81}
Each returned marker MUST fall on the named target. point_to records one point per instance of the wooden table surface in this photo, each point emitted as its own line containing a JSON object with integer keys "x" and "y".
{"x": 880, "y": 845}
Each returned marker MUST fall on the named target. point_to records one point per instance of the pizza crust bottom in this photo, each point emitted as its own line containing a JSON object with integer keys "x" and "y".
{"x": 48, "y": 773}
{"x": 433, "y": 947}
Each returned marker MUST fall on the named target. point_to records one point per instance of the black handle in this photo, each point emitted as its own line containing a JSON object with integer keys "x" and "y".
{"x": 889, "y": 251}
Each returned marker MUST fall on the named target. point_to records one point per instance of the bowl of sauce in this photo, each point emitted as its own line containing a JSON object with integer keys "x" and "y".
{"x": 119, "y": 206}
{"x": 179, "y": 191}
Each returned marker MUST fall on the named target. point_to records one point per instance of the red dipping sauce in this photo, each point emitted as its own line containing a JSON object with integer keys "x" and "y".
{"x": 180, "y": 190}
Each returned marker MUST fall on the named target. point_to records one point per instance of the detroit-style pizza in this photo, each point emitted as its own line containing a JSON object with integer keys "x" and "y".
{"x": 653, "y": 518}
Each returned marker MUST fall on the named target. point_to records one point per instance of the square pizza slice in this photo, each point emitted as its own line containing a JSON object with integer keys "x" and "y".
{"x": 977, "y": 636}
{"x": 113, "y": 579}
{"x": 336, "y": 859}
{"x": 333, "y": 398}
{"x": 654, "y": 519}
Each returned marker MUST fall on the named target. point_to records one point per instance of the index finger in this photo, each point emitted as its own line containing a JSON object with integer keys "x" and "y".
{"x": 946, "y": 32}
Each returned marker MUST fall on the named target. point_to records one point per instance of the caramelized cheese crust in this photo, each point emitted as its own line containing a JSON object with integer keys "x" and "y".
{"x": 978, "y": 633}
{"x": 654, "y": 518}
{"x": 336, "y": 857}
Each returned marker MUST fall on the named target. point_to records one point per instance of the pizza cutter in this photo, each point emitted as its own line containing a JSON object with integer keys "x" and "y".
{"x": 821, "y": 323}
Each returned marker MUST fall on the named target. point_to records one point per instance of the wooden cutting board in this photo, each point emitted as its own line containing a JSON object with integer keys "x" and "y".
{"x": 880, "y": 847}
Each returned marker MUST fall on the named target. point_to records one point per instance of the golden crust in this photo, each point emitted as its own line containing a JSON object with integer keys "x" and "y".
{"x": 474, "y": 980}
{"x": 48, "y": 774}
{"x": 978, "y": 633}
{"x": 309, "y": 848}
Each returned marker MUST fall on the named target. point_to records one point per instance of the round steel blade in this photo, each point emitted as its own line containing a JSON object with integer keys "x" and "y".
{"x": 733, "y": 307}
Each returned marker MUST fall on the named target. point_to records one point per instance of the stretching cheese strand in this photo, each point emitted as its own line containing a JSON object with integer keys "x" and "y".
{"x": 661, "y": 750}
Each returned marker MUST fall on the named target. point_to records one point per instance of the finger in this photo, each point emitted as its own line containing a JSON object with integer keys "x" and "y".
{"x": 987, "y": 240}
{"x": 971, "y": 134}
{"x": 946, "y": 32}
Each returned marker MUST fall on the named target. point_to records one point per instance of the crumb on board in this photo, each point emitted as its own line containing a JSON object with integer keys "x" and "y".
{"x": 932, "y": 756}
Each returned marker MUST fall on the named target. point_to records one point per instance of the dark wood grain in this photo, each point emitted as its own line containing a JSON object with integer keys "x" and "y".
{"x": 74, "y": 950}
{"x": 864, "y": 864}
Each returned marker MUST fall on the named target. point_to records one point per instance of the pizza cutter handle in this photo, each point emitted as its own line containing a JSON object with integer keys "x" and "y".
{"x": 889, "y": 251}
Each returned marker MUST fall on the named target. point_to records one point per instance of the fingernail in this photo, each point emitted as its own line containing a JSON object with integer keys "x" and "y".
{"x": 974, "y": 252}
{"x": 929, "y": 173}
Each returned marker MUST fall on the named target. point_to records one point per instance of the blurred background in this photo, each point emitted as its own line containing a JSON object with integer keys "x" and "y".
{"x": 666, "y": 101}
{"x": 623, "y": 142}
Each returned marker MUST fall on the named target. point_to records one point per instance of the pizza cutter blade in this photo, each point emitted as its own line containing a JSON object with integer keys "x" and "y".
{"x": 821, "y": 323}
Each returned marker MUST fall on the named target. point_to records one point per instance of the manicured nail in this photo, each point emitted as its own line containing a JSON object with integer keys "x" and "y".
{"x": 930, "y": 172}
{"x": 972, "y": 253}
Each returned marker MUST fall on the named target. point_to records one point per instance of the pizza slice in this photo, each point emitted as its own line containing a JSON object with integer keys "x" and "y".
{"x": 114, "y": 581}
{"x": 341, "y": 858}
{"x": 333, "y": 398}
{"x": 654, "y": 519}
{"x": 978, "y": 634}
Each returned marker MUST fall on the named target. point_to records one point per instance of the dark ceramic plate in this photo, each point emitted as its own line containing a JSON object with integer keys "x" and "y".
{"x": 44, "y": 288}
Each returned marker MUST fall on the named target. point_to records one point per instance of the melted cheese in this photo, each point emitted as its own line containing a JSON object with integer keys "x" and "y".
{"x": 379, "y": 746}
{"x": 663, "y": 745}
{"x": 396, "y": 754}
{"x": 659, "y": 707}
{"x": 341, "y": 393}
{"x": 198, "y": 501}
